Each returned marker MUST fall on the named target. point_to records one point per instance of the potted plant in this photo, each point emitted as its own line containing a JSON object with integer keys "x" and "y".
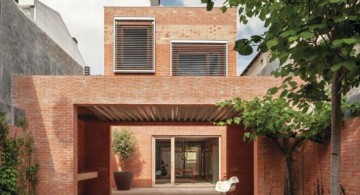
{"x": 123, "y": 145}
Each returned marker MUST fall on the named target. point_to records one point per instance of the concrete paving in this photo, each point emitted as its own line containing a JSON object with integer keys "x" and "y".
{"x": 167, "y": 191}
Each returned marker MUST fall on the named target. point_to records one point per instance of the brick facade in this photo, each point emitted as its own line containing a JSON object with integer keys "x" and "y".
{"x": 51, "y": 108}
{"x": 66, "y": 145}
{"x": 240, "y": 157}
{"x": 180, "y": 23}
{"x": 141, "y": 163}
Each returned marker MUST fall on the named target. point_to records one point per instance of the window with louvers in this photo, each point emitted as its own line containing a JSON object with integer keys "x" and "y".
{"x": 198, "y": 59}
{"x": 134, "y": 46}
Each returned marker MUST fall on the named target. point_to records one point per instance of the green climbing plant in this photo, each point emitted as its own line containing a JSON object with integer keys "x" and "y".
{"x": 18, "y": 168}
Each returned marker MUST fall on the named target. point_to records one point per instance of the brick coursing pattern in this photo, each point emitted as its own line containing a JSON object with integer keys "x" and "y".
{"x": 181, "y": 23}
{"x": 50, "y": 104}
{"x": 141, "y": 163}
{"x": 312, "y": 162}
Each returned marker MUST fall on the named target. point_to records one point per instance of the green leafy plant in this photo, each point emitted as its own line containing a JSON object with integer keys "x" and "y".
{"x": 18, "y": 169}
{"x": 321, "y": 40}
{"x": 353, "y": 108}
{"x": 123, "y": 145}
{"x": 278, "y": 120}
{"x": 29, "y": 167}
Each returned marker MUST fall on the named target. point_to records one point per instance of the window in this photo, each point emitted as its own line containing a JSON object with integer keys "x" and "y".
{"x": 198, "y": 58}
{"x": 134, "y": 45}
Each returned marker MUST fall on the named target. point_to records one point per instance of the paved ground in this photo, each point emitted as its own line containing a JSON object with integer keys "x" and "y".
{"x": 167, "y": 191}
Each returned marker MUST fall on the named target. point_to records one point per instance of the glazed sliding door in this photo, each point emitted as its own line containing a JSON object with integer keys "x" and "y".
{"x": 163, "y": 161}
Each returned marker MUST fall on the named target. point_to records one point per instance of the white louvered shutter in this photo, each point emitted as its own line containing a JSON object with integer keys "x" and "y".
{"x": 134, "y": 46}
{"x": 198, "y": 59}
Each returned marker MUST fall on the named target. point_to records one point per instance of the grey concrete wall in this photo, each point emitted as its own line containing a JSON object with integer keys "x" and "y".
{"x": 269, "y": 68}
{"x": 261, "y": 65}
{"x": 26, "y": 49}
{"x": 50, "y": 21}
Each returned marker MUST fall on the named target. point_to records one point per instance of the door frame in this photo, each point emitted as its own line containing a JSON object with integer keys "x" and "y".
{"x": 153, "y": 157}
{"x": 172, "y": 149}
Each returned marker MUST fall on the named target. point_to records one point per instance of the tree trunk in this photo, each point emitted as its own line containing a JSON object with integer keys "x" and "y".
{"x": 335, "y": 134}
{"x": 289, "y": 162}
{"x": 122, "y": 163}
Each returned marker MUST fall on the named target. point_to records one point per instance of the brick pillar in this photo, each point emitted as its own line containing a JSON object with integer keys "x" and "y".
{"x": 240, "y": 160}
{"x": 96, "y": 158}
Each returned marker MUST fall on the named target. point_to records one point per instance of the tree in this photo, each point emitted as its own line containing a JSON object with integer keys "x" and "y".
{"x": 321, "y": 39}
{"x": 123, "y": 145}
{"x": 278, "y": 120}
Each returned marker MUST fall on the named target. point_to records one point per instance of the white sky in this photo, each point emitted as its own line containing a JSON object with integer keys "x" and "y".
{"x": 85, "y": 21}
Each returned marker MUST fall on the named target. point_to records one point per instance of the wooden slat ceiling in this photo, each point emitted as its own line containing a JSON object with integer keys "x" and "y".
{"x": 158, "y": 113}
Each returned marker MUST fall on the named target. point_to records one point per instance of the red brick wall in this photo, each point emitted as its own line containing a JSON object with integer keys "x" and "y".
{"x": 50, "y": 104}
{"x": 94, "y": 155}
{"x": 240, "y": 160}
{"x": 180, "y": 23}
{"x": 268, "y": 168}
{"x": 141, "y": 163}
{"x": 81, "y": 155}
{"x": 311, "y": 164}
{"x": 317, "y": 165}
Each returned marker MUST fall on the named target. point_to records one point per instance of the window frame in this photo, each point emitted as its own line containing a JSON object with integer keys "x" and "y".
{"x": 119, "y": 18}
{"x": 200, "y": 42}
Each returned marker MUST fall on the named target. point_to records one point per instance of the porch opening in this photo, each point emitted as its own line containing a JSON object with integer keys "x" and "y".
{"x": 178, "y": 147}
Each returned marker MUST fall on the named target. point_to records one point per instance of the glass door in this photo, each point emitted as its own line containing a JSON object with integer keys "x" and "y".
{"x": 186, "y": 161}
{"x": 163, "y": 161}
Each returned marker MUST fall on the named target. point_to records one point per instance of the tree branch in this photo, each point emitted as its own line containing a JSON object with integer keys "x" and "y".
{"x": 353, "y": 82}
{"x": 326, "y": 43}
{"x": 277, "y": 143}
{"x": 296, "y": 144}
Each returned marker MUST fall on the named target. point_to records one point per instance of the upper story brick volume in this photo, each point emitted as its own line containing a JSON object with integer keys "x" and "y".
{"x": 169, "y": 41}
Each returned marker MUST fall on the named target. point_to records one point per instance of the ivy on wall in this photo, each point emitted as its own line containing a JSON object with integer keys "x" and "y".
{"x": 18, "y": 168}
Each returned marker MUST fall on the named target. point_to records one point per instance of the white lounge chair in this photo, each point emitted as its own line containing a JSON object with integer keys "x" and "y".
{"x": 227, "y": 186}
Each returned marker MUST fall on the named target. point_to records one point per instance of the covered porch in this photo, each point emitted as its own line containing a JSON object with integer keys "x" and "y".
{"x": 71, "y": 141}
{"x": 160, "y": 129}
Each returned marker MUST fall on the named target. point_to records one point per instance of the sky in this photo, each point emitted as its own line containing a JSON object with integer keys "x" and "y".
{"x": 85, "y": 21}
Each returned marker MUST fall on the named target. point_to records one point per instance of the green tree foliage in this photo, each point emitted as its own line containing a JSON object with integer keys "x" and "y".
{"x": 18, "y": 169}
{"x": 278, "y": 120}
{"x": 319, "y": 38}
{"x": 123, "y": 145}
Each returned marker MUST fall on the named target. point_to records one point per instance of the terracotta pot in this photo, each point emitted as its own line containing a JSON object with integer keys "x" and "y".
{"x": 123, "y": 180}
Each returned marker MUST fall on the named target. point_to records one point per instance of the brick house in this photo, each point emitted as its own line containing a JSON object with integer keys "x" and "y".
{"x": 165, "y": 68}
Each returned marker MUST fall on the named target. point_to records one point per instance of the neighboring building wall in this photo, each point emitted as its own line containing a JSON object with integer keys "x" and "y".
{"x": 180, "y": 23}
{"x": 257, "y": 64}
{"x": 50, "y": 21}
{"x": 261, "y": 65}
{"x": 311, "y": 164}
{"x": 270, "y": 67}
{"x": 354, "y": 95}
{"x": 50, "y": 104}
{"x": 26, "y": 49}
